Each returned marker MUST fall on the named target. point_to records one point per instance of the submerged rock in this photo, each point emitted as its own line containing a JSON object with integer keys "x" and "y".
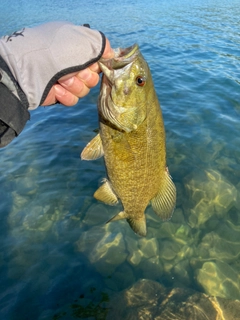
{"x": 38, "y": 220}
{"x": 105, "y": 249}
{"x": 135, "y": 255}
{"x": 123, "y": 277}
{"x": 183, "y": 253}
{"x": 215, "y": 246}
{"x": 152, "y": 268}
{"x": 219, "y": 279}
{"x": 210, "y": 194}
{"x": 148, "y": 247}
{"x": 97, "y": 214}
{"x": 169, "y": 250}
{"x": 181, "y": 273}
{"x": 148, "y": 299}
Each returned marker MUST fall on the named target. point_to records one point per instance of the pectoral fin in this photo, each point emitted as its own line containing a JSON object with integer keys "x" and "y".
{"x": 138, "y": 225}
{"x": 93, "y": 149}
{"x": 164, "y": 202}
{"x": 105, "y": 194}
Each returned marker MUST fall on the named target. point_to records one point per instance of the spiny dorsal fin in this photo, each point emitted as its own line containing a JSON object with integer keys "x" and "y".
{"x": 105, "y": 193}
{"x": 93, "y": 149}
{"x": 164, "y": 202}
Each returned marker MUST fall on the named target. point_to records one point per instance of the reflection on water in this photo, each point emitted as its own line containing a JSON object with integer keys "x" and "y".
{"x": 58, "y": 257}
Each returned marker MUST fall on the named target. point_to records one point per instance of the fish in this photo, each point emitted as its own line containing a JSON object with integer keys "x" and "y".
{"x": 131, "y": 139}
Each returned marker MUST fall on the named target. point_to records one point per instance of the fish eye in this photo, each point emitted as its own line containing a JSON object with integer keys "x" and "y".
{"x": 140, "y": 81}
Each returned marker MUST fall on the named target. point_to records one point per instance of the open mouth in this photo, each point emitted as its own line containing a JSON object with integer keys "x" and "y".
{"x": 125, "y": 53}
{"x": 123, "y": 57}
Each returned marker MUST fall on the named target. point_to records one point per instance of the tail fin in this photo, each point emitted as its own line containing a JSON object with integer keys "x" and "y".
{"x": 138, "y": 225}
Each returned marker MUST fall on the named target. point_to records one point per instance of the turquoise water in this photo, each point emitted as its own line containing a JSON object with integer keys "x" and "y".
{"x": 56, "y": 250}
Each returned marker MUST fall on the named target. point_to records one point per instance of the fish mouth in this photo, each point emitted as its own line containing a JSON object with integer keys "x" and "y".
{"x": 123, "y": 57}
{"x": 112, "y": 70}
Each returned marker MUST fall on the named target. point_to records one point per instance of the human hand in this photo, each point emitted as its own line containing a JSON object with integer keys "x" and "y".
{"x": 77, "y": 85}
{"x": 56, "y": 61}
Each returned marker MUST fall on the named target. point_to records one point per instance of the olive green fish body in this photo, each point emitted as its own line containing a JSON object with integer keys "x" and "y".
{"x": 134, "y": 162}
{"x": 132, "y": 140}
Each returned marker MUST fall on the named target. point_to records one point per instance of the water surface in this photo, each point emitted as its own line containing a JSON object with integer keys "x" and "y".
{"x": 55, "y": 246}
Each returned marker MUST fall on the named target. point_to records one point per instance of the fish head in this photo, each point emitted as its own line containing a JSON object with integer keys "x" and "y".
{"x": 126, "y": 87}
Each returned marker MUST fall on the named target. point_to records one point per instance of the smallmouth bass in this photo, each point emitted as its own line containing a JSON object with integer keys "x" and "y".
{"x": 132, "y": 140}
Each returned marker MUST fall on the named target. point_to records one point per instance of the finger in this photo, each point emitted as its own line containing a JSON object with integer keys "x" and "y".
{"x": 76, "y": 85}
{"x": 95, "y": 68}
{"x": 88, "y": 77}
{"x": 77, "y": 88}
{"x": 64, "y": 96}
{"x": 68, "y": 76}
{"x": 108, "y": 52}
{"x": 51, "y": 99}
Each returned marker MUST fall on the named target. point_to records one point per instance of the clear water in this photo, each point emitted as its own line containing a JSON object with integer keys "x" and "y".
{"x": 56, "y": 251}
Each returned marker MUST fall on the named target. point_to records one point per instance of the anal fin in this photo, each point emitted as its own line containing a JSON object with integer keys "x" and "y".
{"x": 105, "y": 194}
{"x": 121, "y": 215}
{"x": 164, "y": 202}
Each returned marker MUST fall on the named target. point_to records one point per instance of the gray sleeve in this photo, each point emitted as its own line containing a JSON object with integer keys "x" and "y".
{"x": 37, "y": 57}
